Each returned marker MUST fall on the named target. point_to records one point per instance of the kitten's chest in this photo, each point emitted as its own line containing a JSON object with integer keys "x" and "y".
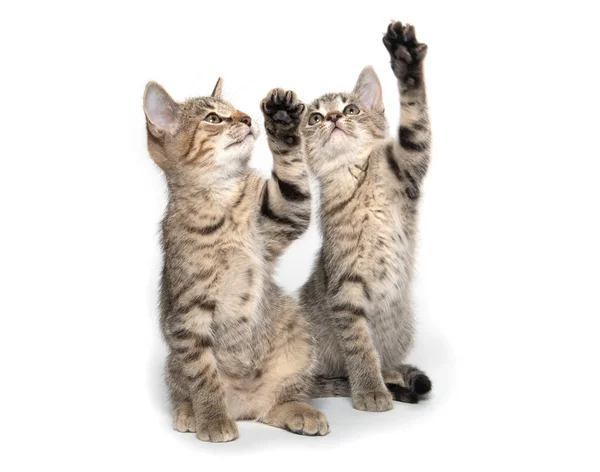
{"x": 242, "y": 266}
{"x": 382, "y": 250}
{"x": 378, "y": 223}
{"x": 239, "y": 291}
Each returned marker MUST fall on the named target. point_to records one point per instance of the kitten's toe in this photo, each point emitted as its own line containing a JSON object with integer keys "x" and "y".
{"x": 373, "y": 401}
{"x": 401, "y": 42}
{"x": 218, "y": 430}
{"x": 183, "y": 418}
{"x": 299, "y": 418}
{"x": 282, "y": 106}
{"x": 309, "y": 423}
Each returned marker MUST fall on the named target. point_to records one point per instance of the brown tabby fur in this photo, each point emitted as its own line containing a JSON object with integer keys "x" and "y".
{"x": 239, "y": 347}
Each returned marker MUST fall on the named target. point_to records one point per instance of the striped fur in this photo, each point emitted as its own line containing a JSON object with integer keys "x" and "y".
{"x": 359, "y": 294}
{"x": 239, "y": 348}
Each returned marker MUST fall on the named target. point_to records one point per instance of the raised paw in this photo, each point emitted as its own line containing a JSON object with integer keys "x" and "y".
{"x": 217, "y": 430}
{"x": 183, "y": 418}
{"x": 373, "y": 401}
{"x": 406, "y": 52}
{"x": 283, "y": 113}
{"x": 299, "y": 418}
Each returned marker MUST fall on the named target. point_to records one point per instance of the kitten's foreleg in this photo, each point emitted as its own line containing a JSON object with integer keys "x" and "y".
{"x": 410, "y": 153}
{"x": 348, "y": 310}
{"x": 191, "y": 347}
{"x": 285, "y": 208}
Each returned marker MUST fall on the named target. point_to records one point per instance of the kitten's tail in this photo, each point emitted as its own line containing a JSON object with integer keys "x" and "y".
{"x": 415, "y": 379}
{"x": 416, "y": 384}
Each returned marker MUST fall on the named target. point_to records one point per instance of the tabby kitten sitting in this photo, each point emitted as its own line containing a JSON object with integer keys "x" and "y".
{"x": 359, "y": 294}
{"x": 239, "y": 347}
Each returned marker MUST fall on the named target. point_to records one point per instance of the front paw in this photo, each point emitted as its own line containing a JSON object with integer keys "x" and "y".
{"x": 406, "y": 53}
{"x": 217, "y": 430}
{"x": 183, "y": 418}
{"x": 308, "y": 423}
{"x": 283, "y": 112}
{"x": 373, "y": 401}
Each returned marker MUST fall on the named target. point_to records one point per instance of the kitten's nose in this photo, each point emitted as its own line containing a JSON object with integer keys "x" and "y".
{"x": 240, "y": 117}
{"x": 333, "y": 116}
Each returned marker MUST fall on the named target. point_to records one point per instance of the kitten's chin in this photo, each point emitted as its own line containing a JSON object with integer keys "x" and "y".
{"x": 240, "y": 150}
{"x": 339, "y": 143}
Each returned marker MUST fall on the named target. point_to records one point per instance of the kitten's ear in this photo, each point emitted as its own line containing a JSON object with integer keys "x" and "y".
{"x": 218, "y": 89}
{"x": 160, "y": 109}
{"x": 368, "y": 89}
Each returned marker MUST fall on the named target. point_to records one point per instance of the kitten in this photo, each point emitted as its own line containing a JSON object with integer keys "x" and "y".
{"x": 239, "y": 348}
{"x": 359, "y": 294}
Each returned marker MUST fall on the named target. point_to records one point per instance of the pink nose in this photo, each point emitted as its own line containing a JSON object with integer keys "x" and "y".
{"x": 333, "y": 116}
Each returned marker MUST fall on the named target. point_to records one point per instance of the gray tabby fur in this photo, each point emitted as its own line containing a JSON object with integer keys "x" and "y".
{"x": 358, "y": 297}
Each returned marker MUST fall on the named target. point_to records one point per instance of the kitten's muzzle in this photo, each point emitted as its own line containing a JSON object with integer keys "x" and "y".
{"x": 240, "y": 117}
{"x": 237, "y": 139}
{"x": 333, "y": 116}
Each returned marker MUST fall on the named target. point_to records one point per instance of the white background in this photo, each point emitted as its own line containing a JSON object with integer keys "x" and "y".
{"x": 508, "y": 272}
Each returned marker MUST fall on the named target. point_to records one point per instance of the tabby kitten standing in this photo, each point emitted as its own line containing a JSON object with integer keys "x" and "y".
{"x": 359, "y": 294}
{"x": 239, "y": 348}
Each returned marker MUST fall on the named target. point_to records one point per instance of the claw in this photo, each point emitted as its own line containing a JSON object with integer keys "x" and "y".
{"x": 263, "y": 105}
{"x": 401, "y": 42}
{"x": 391, "y": 31}
{"x": 408, "y": 33}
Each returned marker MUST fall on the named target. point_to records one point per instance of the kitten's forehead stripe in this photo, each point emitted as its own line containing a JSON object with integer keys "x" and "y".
{"x": 331, "y": 101}
{"x": 204, "y": 105}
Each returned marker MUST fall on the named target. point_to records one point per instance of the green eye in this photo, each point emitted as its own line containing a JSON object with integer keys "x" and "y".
{"x": 213, "y": 118}
{"x": 315, "y": 118}
{"x": 351, "y": 110}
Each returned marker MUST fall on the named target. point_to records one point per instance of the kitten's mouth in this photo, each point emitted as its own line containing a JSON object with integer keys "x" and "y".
{"x": 240, "y": 140}
{"x": 336, "y": 130}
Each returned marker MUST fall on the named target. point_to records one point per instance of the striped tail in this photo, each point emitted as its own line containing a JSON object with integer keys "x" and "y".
{"x": 415, "y": 379}
{"x": 416, "y": 384}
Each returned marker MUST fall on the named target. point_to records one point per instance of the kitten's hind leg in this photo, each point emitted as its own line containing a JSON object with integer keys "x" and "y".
{"x": 184, "y": 420}
{"x": 183, "y": 413}
{"x": 297, "y": 417}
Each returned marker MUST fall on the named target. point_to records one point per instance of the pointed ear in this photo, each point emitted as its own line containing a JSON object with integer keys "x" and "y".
{"x": 160, "y": 109}
{"x": 368, "y": 89}
{"x": 218, "y": 88}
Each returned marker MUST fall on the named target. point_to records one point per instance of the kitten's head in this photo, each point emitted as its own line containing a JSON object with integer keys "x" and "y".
{"x": 201, "y": 139}
{"x": 340, "y": 127}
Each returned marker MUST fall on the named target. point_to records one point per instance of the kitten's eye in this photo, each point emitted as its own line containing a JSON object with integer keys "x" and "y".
{"x": 213, "y": 118}
{"x": 351, "y": 110}
{"x": 315, "y": 118}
